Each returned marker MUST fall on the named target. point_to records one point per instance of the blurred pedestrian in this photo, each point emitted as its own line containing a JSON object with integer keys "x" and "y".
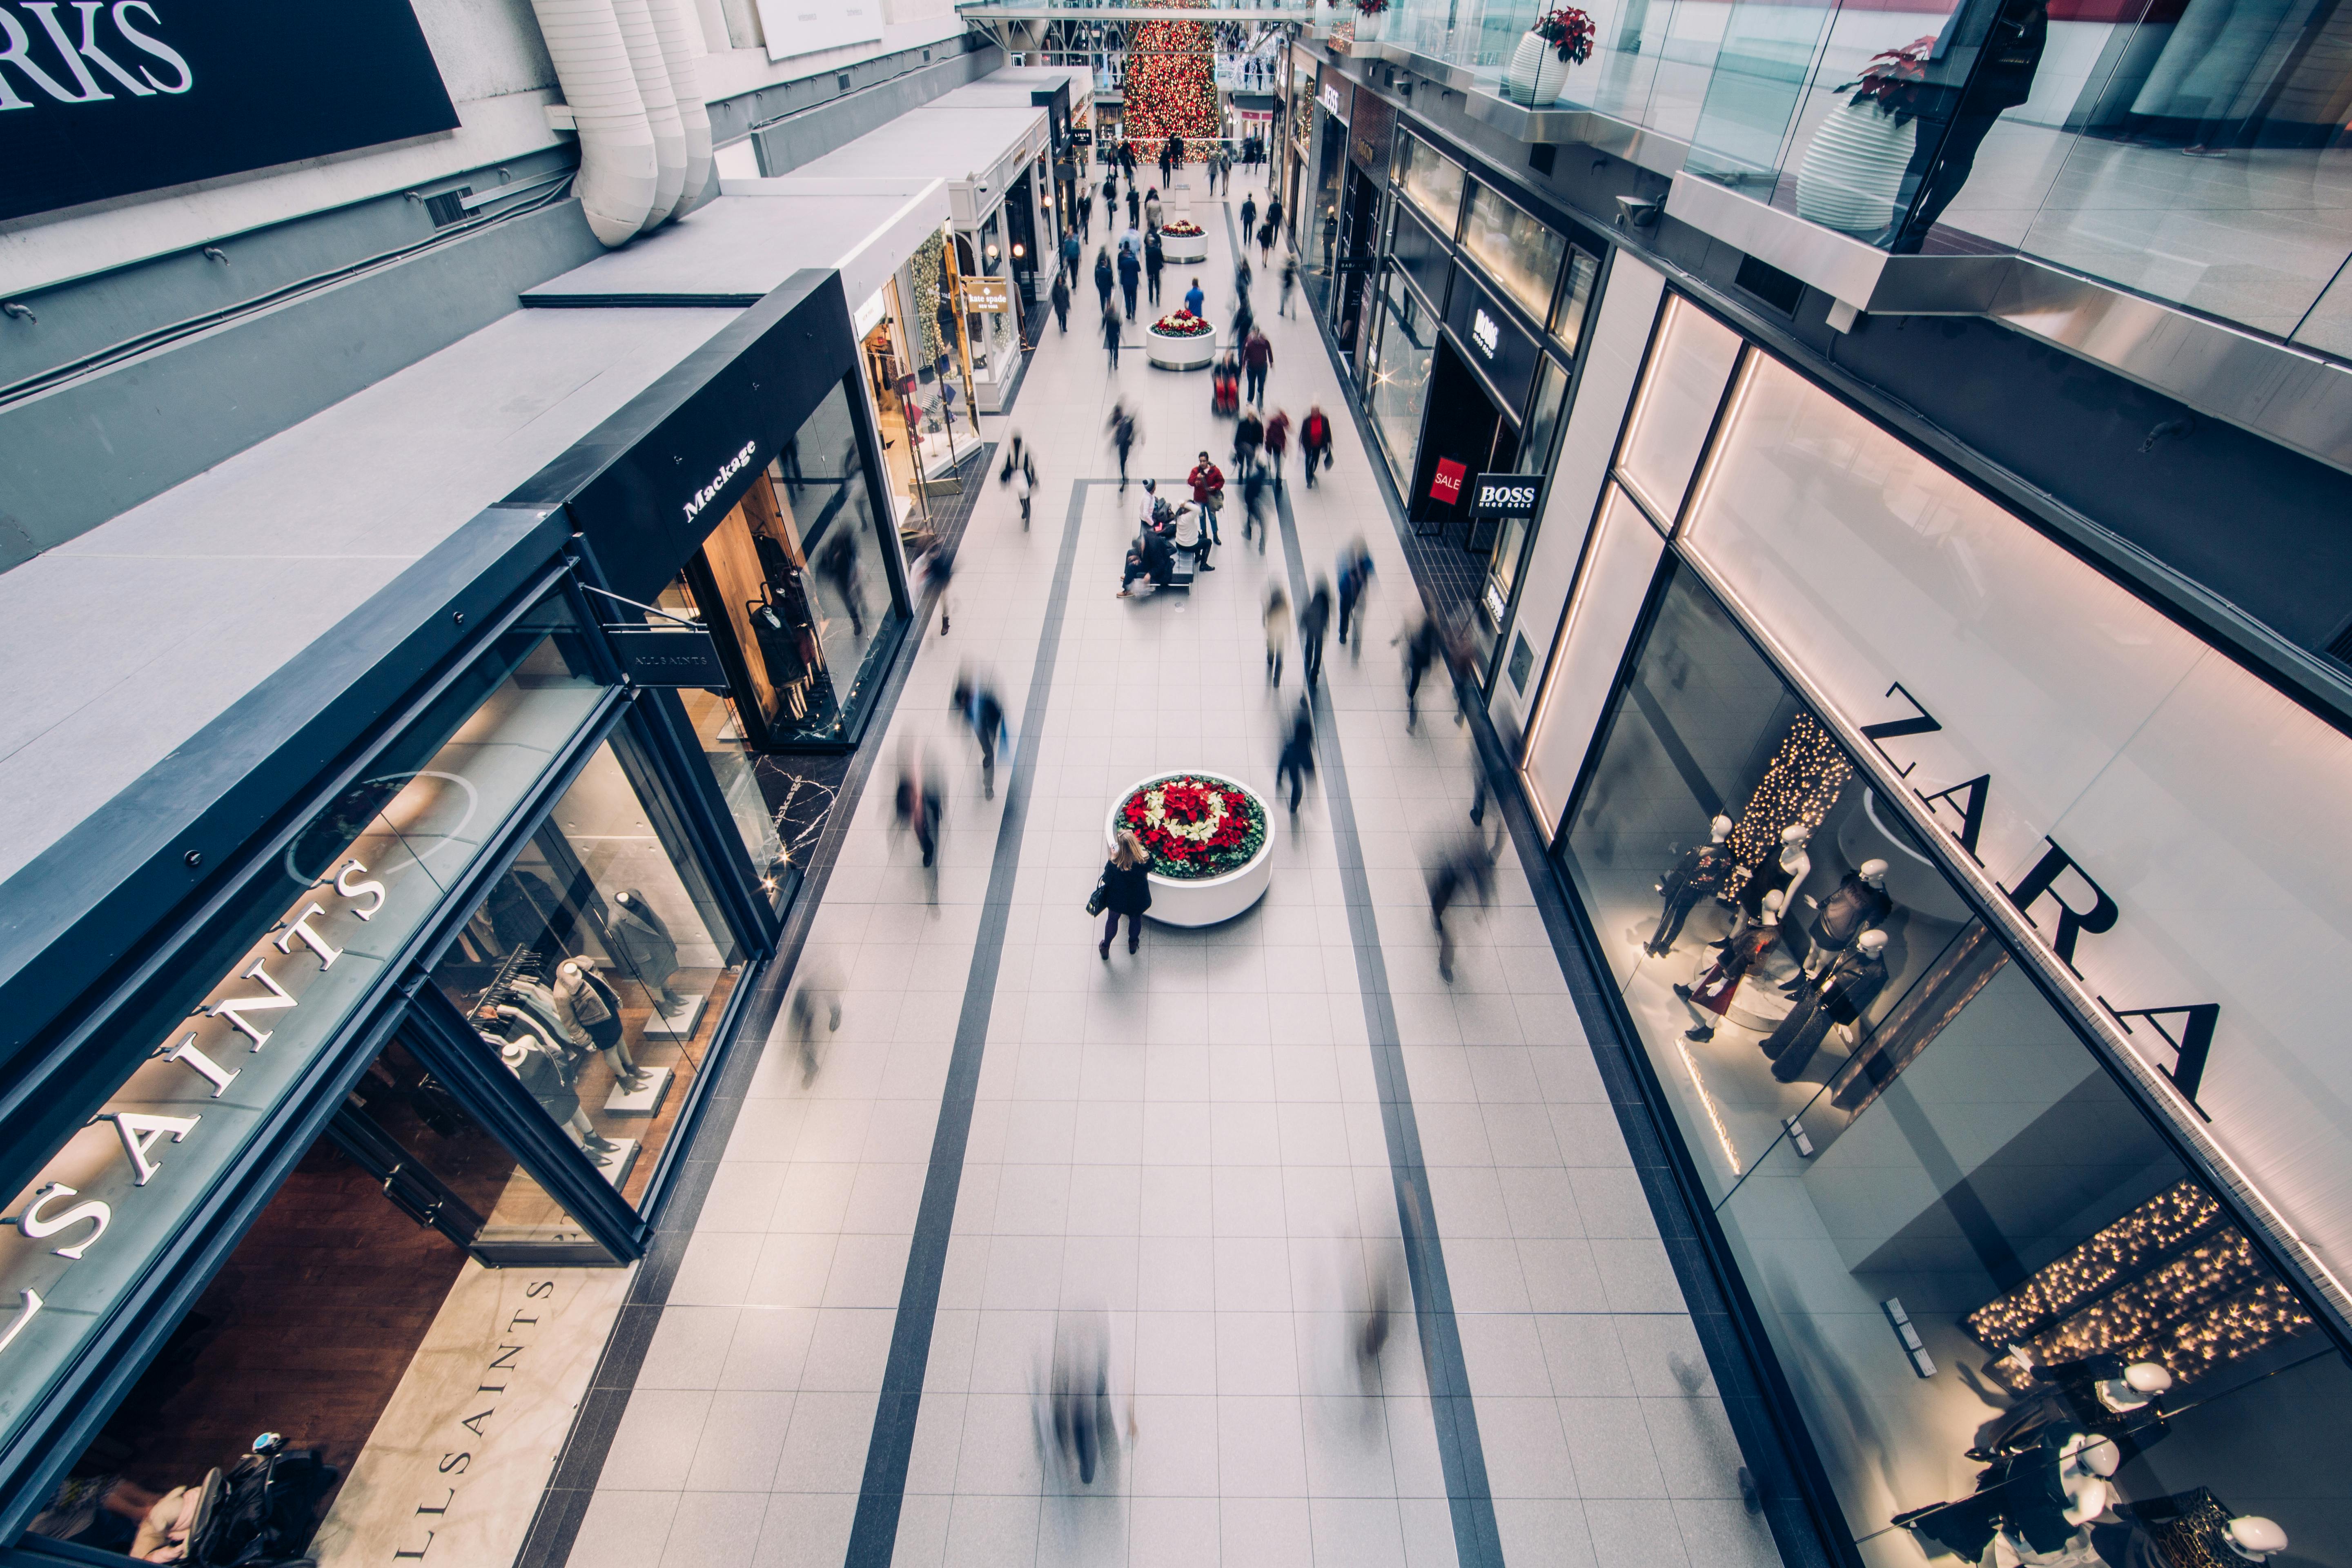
{"x": 1249, "y": 214}
{"x": 1061, "y": 297}
{"x": 1421, "y": 651}
{"x": 1130, "y": 273}
{"x": 1467, "y": 868}
{"x": 1461, "y": 656}
{"x": 918, "y": 804}
{"x": 976, "y": 703}
{"x": 812, "y": 998}
{"x": 1289, "y": 282}
{"x": 1249, "y": 434}
{"x": 938, "y": 574}
{"x": 1125, "y": 890}
{"x": 1312, "y": 621}
{"x": 1155, "y": 260}
{"x": 1297, "y": 761}
{"x": 1076, "y": 1415}
{"x": 1257, "y": 358}
{"x": 1086, "y": 213}
{"x": 1104, "y": 277}
{"x": 1355, "y": 583}
{"x": 1315, "y": 442}
{"x": 1266, "y": 252}
{"x": 1112, "y": 330}
{"x": 1123, "y": 432}
{"x": 1278, "y": 443}
{"x": 1277, "y": 633}
{"x": 1155, "y": 215}
{"x": 1134, "y": 209}
{"x": 1254, "y": 496}
{"x": 1025, "y": 486}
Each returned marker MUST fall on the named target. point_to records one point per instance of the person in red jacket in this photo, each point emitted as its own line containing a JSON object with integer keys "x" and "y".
{"x": 1278, "y": 443}
{"x": 1208, "y": 494}
{"x": 1315, "y": 443}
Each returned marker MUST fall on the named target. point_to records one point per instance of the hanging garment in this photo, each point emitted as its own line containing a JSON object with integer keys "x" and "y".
{"x": 1852, "y": 907}
{"x": 640, "y": 941}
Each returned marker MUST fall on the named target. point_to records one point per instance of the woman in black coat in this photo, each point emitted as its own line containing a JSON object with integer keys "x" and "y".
{"x": 1103, "y": 276}
{"x": 1127, "y": 890}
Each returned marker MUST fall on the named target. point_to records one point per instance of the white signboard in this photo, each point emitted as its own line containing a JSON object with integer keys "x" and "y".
{"x": 804, "y": 26}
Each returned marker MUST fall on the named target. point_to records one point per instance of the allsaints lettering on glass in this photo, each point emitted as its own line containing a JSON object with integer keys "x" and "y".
{"x": 2056, "y": 895}
{"x": 252, "y": 1006}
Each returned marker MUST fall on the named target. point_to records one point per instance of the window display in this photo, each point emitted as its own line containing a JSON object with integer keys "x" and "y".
{"x": 1399, "y": 377}
{"x": 2019, "y": 1326}
{"x": 1515, "y": 248}
{"x": 797, "y": 574}
{"x": 599, "y": 966}
{"x": 1431, "y": 181}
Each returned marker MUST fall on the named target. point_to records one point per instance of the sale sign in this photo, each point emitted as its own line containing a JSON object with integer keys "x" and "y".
{"x": 1447, "y": 485}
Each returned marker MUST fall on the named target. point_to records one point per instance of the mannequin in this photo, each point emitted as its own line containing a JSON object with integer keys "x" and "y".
{"x": 1839, "y": 996}
{"x": 546, "y": 1073}
{"x": 1859, "y": 901}
{"x": 2021, "y": 1497}
{"x": 643, "y": 942}
{"x": 1741, "y": 950}
{"x": 1788, "y": 870}
{"x": 2084, "y": 1465}
{"x": 2097, "y": 1394}
{"x": 588, "y": 1005}
{"x": 1702, "y": 870}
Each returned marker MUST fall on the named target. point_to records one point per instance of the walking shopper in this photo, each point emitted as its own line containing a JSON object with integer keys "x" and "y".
{"x": 1061, "y": 297}
{"x": 1070, "y": 252}
{"x": 1103, "y": 275}
{"x": 1209, "y": 495}
{"x": 1024, "y": 485}
{"x": 1312, "y": 621}
{"x": 939, "y": 572}
{"x": 1277, "y": 633}
{"x": 1315, "y": 442}
{"x": 1355, "y": 584}
{"x": 1254, "y": 500}
{"x": 1466, "y": 868}
{"x": 1257, "y": 358}
{"x": 1278, "y": 443}
{"x": 1297, "y": 761}
{"x": 1265, "y": 242}
{"x": 1123, "y": 429}
{"x": 1249, "y": 214}
{"x": 1125, "y": 890}
{"x": 1421, "y": 648}
{"x": 1111, "y": 329}
{"x": 1249, "y": 432}
{"x": 1194, "y": 300}
{"x": 1154, "y": 214}
{"x": 1131, "y": 270}
{"x": 1289, "y": 282}
{"x": 1134, "y": 207}
{"x": 1086, "y": 213}
{"x": 978, "y": 705}
{"x": 1155, "y": 256}
{"x": 919, "y": 805}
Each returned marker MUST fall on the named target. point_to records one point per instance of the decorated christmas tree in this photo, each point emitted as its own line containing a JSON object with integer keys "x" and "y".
{"x": 1172, "y": 87}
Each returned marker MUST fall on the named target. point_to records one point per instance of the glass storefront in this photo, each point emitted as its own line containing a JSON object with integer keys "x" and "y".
{"x": 1398, "y": 379}
{"x": 1964, "y": 1164}
{"x": 1517, "y": 249}
{"x": 1431, "y": 180}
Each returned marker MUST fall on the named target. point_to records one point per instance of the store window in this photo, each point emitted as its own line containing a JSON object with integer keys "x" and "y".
{"x": 1575, "y": 299}
{"x": 798, "y": 575}
{"x": 599, "y": 966}
{"x": 1398, "y": 378}
{"x": 1515, "y": 248}
{"x": 1431, "y": 180}
{"x": 1674, "y": 409}
{"x": 2019, "y": 1326}
{"x": 1512, "y": 538}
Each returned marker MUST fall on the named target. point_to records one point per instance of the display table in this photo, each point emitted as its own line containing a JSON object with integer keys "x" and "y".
{"x": 1202, "y": 901}
{"x": 1183, "y": 249}
{"x": 1178, "y": 350}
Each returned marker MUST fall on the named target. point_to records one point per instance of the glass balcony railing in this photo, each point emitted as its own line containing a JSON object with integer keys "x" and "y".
{"x": 2192, "y": 150}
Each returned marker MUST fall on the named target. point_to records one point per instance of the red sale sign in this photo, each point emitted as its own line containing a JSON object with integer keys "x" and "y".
{"x": 1447, "y": 485}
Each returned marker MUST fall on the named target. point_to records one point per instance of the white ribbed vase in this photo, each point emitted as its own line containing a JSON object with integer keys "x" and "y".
{"x": 1854, "y": 171}
{"x": 1537, "y": 73}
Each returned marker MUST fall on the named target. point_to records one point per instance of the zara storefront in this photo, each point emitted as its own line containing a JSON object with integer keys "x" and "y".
{"x": 355, "y": 1047}
{"x": 1981, "y": 927}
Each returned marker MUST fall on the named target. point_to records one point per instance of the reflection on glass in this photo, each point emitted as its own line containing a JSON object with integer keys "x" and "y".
{"x": 1399, "y": 375}
{"x": 1430, "y": 180}
{"x": 599, "y": 965}
{"x": 1974, "y": 1253}
{"x": 1567, "y": 317}
{"x": 1675, "y": 407}
{"x": 1515, "y": 248}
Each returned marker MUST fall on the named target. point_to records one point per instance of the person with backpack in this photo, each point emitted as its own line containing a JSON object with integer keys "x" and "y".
{"x": 1315, "y": 442}
{"x": 1130, "y": 273}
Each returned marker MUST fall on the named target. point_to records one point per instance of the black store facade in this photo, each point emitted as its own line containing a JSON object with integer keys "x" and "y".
{"x": 1970, "y": 918}
{"x": 395, "y": 996}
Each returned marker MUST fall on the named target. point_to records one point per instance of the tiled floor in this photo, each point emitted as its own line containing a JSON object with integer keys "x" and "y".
{"x": 1185, "y": 1152}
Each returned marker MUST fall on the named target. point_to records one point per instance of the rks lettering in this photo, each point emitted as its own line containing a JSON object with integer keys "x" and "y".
{"x": 99, "y": 61}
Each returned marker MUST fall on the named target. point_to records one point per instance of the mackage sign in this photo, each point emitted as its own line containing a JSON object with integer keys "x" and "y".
{"x": 108, "y": 97}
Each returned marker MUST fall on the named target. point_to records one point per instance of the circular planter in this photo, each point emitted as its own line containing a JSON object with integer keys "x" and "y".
{"x": 1205, "y": 901}
{"x": 1536, "y": 74}
{"x": 1853, "y": 174}
{"x": 1183, "y": 249}
{"x": 1190, "y": 353}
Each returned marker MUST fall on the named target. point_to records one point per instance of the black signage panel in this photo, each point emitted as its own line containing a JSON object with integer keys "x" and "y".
{"x": 102, "y": 100}
{"x": 658, "y": 655}
{"x": 1493, "y": 342}
{"x": 1506, "y": 495}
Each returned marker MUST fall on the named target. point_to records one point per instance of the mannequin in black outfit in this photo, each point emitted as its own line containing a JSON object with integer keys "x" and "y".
{"x": 1702, "y": 869}
{"x": 1858, "y": 903}
{"x": 643, "y": 942}
{"x": 1840, "y": 994}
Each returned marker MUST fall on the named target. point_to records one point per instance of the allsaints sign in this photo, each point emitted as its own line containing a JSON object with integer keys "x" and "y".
{"x": 108, "y": 98}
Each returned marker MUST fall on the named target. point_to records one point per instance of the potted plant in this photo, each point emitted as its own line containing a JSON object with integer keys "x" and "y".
{"x": 1369, "y": 15}
{"x": 1538, "y": 68}
{"x": 1210, "y": 841}
{"x": 1180, "y": 341}
{"x": 1852, "y": 176}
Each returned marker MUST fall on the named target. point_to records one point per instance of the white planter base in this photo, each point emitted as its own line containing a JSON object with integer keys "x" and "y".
{"x": 1183, "y": 249}
{"x": 1211, "y": 901}
{"x": 1193, "y": 352}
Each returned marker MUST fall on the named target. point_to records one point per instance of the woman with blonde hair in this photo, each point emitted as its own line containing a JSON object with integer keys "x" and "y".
{"x": 1126, "y": 889}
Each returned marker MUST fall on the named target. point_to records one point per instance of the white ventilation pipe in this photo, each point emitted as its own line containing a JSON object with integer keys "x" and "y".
{"x": 618, "y": 175}
{"x": 681, "y": 47}
{"x": 661, "y": 106}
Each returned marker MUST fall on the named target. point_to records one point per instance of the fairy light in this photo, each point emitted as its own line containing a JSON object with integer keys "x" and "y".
{"x": 1800, "y": 786}
{"x": 1707, "y": 1103}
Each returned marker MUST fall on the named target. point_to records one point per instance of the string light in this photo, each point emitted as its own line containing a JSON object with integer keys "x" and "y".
{"x": 1800, "y": 786}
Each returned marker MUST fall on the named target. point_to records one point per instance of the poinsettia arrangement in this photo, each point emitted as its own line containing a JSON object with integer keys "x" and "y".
{"x": 1179, "y": 226}
{"x": 1371, "y": 8}
{"x": 1181, "y": 324}
{"x": 1570, "y": 33}
{"x": 1196, "y": 825}
{"x": 1893, "y": 78}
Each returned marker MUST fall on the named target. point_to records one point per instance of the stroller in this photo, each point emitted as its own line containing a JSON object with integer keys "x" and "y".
{"x": 1225, "y": 386}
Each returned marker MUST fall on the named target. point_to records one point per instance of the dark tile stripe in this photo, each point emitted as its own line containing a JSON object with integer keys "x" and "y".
{"x": 1460, "y": 1452}
{"x": 874, "y": 1535}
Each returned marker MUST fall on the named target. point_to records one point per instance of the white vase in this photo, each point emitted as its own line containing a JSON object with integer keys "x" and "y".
{"x": 1537, "y": 73}
{"x": 1368, "y": 24}
{"x": 1853, "y": 174}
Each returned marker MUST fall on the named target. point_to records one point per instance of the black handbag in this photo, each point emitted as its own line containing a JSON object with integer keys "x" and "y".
{"x": 1100, "y": 898}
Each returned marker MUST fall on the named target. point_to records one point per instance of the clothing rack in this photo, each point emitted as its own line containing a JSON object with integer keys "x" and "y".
{"x": 522, "y": 963}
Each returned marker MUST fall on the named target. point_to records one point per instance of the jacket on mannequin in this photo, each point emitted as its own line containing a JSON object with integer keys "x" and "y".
{"x": 580, "y": 1001}
{"x": 1702, "y": 870}
{"x": 2068, "y": 1395}
{"x": 1838, "y": 994}
{"x": 550, "y": 1009}
{"x": 2021, "y": 1494}
{"x": 1852, "y": 907}
{"x": 641, "y": 941}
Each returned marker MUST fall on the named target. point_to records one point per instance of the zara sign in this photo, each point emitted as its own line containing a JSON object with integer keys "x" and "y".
{"x": 109, "y": 98}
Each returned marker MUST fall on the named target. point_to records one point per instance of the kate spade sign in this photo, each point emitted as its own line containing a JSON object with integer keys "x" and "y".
{"x": 108, "y": 98}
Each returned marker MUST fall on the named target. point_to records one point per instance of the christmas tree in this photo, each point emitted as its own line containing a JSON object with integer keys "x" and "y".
{"x": 1172, "y": 87}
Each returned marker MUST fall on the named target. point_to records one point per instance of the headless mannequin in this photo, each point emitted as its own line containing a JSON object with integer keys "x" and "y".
{"x": 647, "y": 947}
{"x": 2084, "y": 1465}
{"x": 1741, "y": 950}
{"x": 1702, "y": 870}
{"x": 582, "y": 1001}
{"x": 1789, "y": 869}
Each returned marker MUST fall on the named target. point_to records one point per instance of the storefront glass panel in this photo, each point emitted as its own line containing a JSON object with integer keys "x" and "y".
{"x": 1399, "y": 375}
{"x": 308, "y": 945}
{"x": 1431, "y": 181}
{"x": 599, "y": 965}
{"x": 1959, "y": 1227}
{"x": 1674, "y": 409}
{"x": 1568, "y": 316}
{"x": 1515, "y": 248}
